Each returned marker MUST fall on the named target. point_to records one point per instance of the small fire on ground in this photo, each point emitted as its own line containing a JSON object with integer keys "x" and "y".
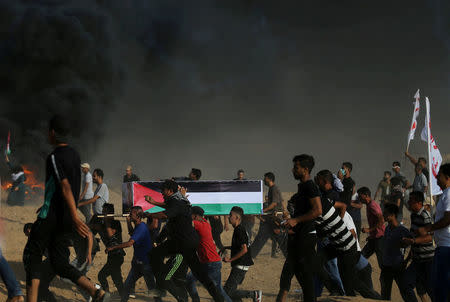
{"x": 33, "y": 187}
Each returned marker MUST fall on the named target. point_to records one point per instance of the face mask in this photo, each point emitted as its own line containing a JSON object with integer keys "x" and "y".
{"x": 343, "y": 172}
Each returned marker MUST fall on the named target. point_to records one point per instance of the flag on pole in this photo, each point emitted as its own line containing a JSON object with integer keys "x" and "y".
{"x": 412, "y": 129}
{"x": 8, "y": 149}
{"x": 434, "y": 156}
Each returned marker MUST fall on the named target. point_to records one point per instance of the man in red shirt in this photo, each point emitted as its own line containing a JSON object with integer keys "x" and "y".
{"x": 207, "y": 253}
{"x": 376, "y": 226}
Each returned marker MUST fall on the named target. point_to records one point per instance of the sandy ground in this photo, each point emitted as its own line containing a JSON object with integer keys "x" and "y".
{"x": 264, "y": 275}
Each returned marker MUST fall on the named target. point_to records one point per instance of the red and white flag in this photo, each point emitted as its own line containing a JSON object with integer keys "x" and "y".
{"x": 413, "y": 128}
{"x": 434, "y": 156}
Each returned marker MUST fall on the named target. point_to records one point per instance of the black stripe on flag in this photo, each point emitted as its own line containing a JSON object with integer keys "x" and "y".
{"x": 210, "y": 186}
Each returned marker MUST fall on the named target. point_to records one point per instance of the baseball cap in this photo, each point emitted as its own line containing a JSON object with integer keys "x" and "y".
{"x": 86, "y": 165}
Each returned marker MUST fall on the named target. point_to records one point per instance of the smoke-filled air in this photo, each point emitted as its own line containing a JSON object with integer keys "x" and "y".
{"x": 222, "y": 85}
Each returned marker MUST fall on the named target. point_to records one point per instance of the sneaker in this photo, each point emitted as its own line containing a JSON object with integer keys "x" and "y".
{"x": 155, "y": 292}
{"x": 132, "y": 296}
{"x": 258, "y": 296}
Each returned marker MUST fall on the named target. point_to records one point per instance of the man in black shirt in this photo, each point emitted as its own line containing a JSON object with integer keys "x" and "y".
{"x": 58, "y": 217}
{"x": 240, "y": 259}
{"x": 111, "y": 233}
{"x": 268, "y": 224}
{"x": 129, "y": 176}
{"x": 307, "y": 208}
{"x": 353, "y": 207}
{"x": 181, "y": 239}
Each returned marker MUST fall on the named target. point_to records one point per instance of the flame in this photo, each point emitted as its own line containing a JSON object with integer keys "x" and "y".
{"x": 6, "y": 185}
{"x": 31, "y": 179}
{"x": 33, "y": 187}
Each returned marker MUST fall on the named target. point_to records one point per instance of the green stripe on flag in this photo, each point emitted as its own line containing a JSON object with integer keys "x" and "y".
{"x": 221, "y": 208}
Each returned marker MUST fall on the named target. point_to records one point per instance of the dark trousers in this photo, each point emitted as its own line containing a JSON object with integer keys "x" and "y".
{"x": 138, "y": 270}
{"x": 440, "y": 274}
{"x": 112, "y": 268}
{"x": 189, "y": 252}
{"x": 46, "y": 234}
{"x": 397, "y": 273}
{"x": 265, "y": 232}
{"x": 363, "y": 283}
{"x": 287, "y": 274}
{"x": 346, "y": 262}
{"x": 374, "y": 245}
{"x": 302, "y": 256}
{"x": 175, "y": 277}
{"x": 216, "y": 230}
{"x": 236, "y": 278}
{"x": 418, "y": 275}
{"x": 358, "y": 227}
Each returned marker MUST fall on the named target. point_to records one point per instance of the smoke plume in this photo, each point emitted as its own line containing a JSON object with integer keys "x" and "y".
{"x": 55, "y": 58}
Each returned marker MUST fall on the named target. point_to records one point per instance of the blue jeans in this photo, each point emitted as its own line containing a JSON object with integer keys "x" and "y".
{"x": 333, "y": 271}
{"x": 9, "y": 278}
{"x": 441, "y": 273}
{"x": 138, "y": 270}
{"x": 214, "y": 273}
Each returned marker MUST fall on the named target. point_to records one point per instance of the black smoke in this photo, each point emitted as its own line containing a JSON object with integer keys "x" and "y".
{"x": 56, "y": 57}
{"x": 223, "y": 85}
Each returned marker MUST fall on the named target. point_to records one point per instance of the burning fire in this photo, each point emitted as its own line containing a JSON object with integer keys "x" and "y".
{"x": 33, "y": 187}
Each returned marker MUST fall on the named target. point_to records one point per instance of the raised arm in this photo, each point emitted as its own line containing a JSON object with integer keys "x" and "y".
{"x": 411, "y": 158}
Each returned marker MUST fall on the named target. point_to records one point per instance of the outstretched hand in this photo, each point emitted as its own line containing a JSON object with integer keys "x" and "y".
{"x": 183, "y": 191}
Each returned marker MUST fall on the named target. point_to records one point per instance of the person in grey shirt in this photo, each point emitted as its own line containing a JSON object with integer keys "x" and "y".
{"x": 268, "y": 224}
{"x": 86, "y": 191}
{"x": 420, "y": 181}
{"x": 101, "y": 194}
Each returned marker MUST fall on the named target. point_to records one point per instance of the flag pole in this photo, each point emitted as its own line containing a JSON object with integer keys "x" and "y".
{"x": 430, "y": 183}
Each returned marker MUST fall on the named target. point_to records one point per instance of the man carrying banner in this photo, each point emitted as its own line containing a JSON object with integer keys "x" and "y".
{"x": 268, "y": 224}
{"x": 182, "y": 239}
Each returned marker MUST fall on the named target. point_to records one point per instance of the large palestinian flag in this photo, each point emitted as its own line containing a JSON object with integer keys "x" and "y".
{"x": 215, "y": 197}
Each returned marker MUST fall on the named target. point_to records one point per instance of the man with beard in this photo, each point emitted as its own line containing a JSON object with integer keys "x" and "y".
{"x": 182, "y": 239}
{"x": 58, "y": 217}
{"x": 307, "y": 208}
{"x": 101, "y": 196}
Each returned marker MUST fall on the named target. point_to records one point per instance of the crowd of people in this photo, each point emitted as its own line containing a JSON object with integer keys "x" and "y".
{"x": 317, "y": 231}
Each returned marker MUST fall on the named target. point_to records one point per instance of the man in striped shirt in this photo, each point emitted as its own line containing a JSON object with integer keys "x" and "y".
{"x": 342, "y": 243}
{"x": 419, "y": 271}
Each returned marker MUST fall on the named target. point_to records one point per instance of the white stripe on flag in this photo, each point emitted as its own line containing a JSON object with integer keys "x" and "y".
{"x": 225, "y": 197}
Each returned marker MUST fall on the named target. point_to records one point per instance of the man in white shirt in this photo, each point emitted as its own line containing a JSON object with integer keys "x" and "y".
{"x": 441, "y": 229}
{"x": 101, "y": 195}
{"x": 86, "y": 191}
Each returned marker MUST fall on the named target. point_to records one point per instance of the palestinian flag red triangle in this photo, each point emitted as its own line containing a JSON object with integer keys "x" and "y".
{"x": 139, "y": 193}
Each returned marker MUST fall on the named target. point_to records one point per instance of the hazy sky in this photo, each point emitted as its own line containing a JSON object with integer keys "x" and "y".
{"x": 249, "y": 84}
